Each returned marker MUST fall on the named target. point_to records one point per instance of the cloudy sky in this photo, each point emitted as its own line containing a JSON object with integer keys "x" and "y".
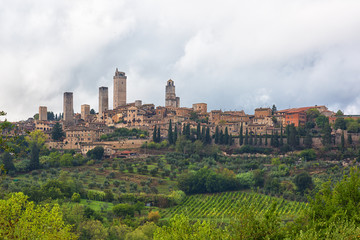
{"x": 232, "y": 54}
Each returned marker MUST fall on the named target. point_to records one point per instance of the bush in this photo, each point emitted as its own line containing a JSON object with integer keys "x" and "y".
{"x": 308, "y": 154}
{"x": 154, "y": 216}
{"x": 96, "y": 195}
{"x": 123, "y": 210}
{"x": 76, "y": 197}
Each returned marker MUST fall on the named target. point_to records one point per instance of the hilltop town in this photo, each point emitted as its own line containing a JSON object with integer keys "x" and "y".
{"x": 83, "y": 130}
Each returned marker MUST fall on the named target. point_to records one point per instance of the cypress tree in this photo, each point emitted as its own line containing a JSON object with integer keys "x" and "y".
{"x": 154, "y": 134}
{"x": 241, "y": 136}
{"x": 308, "y": 140}
{"x": 281, "y": 143}
{"x": 207, "y": 136}
{"x": 34, "y": 156}
{"x": 251, "y": 139}
{"x": 266, "y": 139}
{"x": 276, "y": 139}
{"x": 158, "y": 137}
{"x": 349, "y": 139}
{"x": 246, "y": 137}
{"x": 170, "y": 134}
{"x": 217, "y": 136}
{"x": 342, "y": 141}
{"x": 175, "y": 135}
{"x": 272, "y": 139}
{"x": 256, "y": 139}
{"x": 203, "y": 134}
{"x": 221, "y": 139}
{"x": 260, "y": 140}
{"x": 188, "y": 132}
{"x": 226, "y": 136}
{"x": 198, "y": 132}
{"x": 230, "y": 140}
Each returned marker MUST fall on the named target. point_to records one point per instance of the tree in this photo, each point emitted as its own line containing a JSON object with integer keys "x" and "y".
{"x": 154, "y": 134}
{"x": 92, "y": 111}
{"x": 308, "y": 140}
{"x": 96, "y": 153}
{"x": 303, "y": 181}
{"x": 207, "y": 136}
{"x": 246, "y": 137}
{"x": 339, "y": 113}
{"x": 6, "y": 141}
{"x": 273, "y": 110}
{"x": 21, "y": 219}
{"x": 57, "y": 132}
{"x": 217, "y": 136}
{"x": 241, "y": 136}
{"x": 36, "y": 141}
{"x": 342, "y": 143}
{"x": 327, "y": 135}
{"x": 226, "y": 136}
{"x": 175, "y": 135}
{"x": 349, "y": 139}
{"x": 8, "y": 161}
{"x": 281, "y": 143}
{"x": 198, "y": 131}
{"x": 321, "y": 121}
{"x": 158, "y": 135}
{"x": 170, "y": 133}
{"x": 50, "y": 116}
{"x": 340, "y": 123}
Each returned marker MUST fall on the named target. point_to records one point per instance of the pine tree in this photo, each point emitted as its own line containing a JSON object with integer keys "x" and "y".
{"x": 154, "y": 134}
{"x": 170, "y": 134}
{"x": 57, "y": 132}
{"x": 241, "y": 136}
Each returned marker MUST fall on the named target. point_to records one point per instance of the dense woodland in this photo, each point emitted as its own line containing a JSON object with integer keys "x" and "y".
{"x": 189, "y": 186}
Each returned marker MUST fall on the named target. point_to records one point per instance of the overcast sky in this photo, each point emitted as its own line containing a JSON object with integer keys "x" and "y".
{"x": 232, "y": 55}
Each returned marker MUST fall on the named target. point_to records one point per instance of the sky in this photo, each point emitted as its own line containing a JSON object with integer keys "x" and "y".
{"x": 231, "y": 54}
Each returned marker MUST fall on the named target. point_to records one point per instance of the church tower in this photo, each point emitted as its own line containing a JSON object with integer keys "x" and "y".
{"x": 119, "y": 89}
{"x": 170, "y": 96}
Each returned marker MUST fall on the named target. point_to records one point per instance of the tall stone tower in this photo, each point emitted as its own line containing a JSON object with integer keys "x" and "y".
{"x": 43, "y": 113}
{"x": 85, "y": 111}
{"x": 170, "y": 96}
{"x": 103, "y": 100}
{"x": 119, "y": 89}
{"x": 68, "y": 108}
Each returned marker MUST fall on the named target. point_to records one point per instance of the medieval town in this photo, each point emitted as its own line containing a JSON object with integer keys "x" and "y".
{"x": 83, "y": 130}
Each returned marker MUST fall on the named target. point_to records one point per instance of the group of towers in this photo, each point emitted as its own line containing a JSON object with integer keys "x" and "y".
{"x": 119, "y": 99}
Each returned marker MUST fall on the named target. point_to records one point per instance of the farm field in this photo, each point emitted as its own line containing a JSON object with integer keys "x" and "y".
{"x": 224, "y": 206}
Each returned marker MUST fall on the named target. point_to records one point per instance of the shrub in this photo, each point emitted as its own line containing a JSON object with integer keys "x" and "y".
{"x": 76, "y": 197}
{"x": 154, "y": 216}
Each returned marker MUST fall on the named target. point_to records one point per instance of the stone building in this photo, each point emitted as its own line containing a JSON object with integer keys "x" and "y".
{"x": 119, "y": 89}
{"x": 170, "y": 96}
{"x": 68, "y": 108}
{"x": 104, "y": 100}
{"x": 43, "y": 113}
{"x": 200, "y": 108}
{"x": 85, "y": 111}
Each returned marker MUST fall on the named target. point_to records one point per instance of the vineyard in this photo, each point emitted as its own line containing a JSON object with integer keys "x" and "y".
{"x": 224, "y": 206}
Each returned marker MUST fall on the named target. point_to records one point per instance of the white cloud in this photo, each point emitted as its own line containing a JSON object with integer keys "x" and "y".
{"x": 231, "y": 54}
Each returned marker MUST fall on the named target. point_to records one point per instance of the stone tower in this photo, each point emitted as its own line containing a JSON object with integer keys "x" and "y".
{"x": 103, "y": 100}
{"x": 43, "y": 113}
{"x": 119, "y": 89}
{"x": 85, "y": 111}
{"x": 170, "y": 97}
{"x": 68, "y": 108}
